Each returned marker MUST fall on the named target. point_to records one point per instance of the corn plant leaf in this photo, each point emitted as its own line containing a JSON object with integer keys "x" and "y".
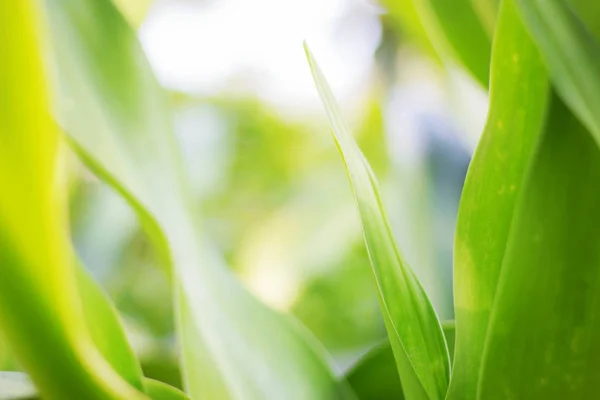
{"x": 450, "y": 29}
{"x": 413, "y": 328}
{"x": 518, "y": 97}
{"x": 375, "y": 376}
{"x": 466, "y": 35}
{"x": 572, "y": 54}
{"x": 47, "y": 329}
{"x": 106, "y": 329}
{"x": 487, "y": 10}
{"x": 16, "y": 386}
{"x": 543, "y": 333}
{"x": 117, "y": 119}
{"x": 161, "y": 391}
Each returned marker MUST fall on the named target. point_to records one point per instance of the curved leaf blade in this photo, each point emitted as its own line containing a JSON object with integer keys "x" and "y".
{"x": 161, "y": 391}
{"x": 542, "y": 341}
{"x": 46, "y": 330}
{"x": 122, "y": 129}
{"x": 413, "y": 327}
{"x": 572, "y": 54}
{"x": 518, "y": 94}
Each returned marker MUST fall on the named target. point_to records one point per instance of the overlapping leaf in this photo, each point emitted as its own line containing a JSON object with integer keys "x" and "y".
{"x": 451, "y": 29}
{"x": 116, "y": 116}
{"x": 495, "y": 178}
{"x": 413, "y": 328}
{"x": 543, "y": 334}
{"x": 572, "y": 54}
{"x": 375, "y": 376}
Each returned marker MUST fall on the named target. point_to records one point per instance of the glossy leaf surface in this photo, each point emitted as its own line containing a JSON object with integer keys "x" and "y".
{"x": 413, "y": 327}
{"x": 518, "y": 95}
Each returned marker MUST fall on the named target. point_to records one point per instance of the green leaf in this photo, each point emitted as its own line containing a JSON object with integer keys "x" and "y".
{"x": 16, "y": 386}
{"x": 451, "y": 28}
{"x": 518, "y": 98}
{"x": 572, "y": 54}
{"x": 487, "y": 10}
{"x": 375, "y": 376}
{"x": 467, "y": 37}
{"x": 543, "y": 334}
{"x": 106, "y": 329}
{"x": 40, "y": 310}
{"x": 161, "y": 391}
{"x": 117, "y": 119}
{"x": 413, "y": 327}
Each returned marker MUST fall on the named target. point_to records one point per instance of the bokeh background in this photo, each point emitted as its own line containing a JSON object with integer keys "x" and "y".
{"x": 270, "y": 186}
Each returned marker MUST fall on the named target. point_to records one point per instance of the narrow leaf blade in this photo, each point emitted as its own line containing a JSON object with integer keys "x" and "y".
{"x": 413, "y": 328}
{"x": 40, "y": 309}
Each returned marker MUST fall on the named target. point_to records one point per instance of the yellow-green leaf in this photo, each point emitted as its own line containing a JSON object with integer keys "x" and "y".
{"x": 40, "y": 308}
{"x": 572, "y": 54}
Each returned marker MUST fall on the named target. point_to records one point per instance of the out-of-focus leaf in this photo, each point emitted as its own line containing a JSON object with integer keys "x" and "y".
{"x": 134, "y": 10}
{"x": 375, "y": 376}
{"x": 161, "y": 391}
{"x": 16, "y": 386}
{"x": 40, "y": 311}
{"x": 116, "y": 115}
{"x": 519, "y": 88}
{"x": 413, "y": 327}
{"x": 589, "y": 13}
{"x": 487, "y": 10}
{"x": 452, "y": 28}
{"x": 106, "y": 329}
{"x": 572, "y": 54}
{"x": 543, "y": 333}
{"x": 466, "y": 35}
